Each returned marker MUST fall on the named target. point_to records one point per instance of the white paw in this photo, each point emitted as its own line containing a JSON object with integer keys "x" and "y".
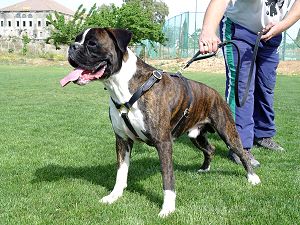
{"x": 165, "y": 212}
{"x": 204, "y": 171}
{"x": 253, "y": 179}
{"x": 169, "y": 203}
{"x": 111, "y": 198}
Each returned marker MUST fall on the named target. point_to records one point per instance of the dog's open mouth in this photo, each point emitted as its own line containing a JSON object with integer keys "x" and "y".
{"x": 82, "y": 76}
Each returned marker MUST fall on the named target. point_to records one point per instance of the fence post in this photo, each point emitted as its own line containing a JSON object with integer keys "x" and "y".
{"x": 195, "y": 28}
{"x": 283, "y": 46}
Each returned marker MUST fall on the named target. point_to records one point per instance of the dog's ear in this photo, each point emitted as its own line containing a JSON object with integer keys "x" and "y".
{"x": 122, "y": 37}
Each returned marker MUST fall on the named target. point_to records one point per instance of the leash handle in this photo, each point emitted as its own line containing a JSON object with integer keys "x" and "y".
{"x": 196, "y": 57}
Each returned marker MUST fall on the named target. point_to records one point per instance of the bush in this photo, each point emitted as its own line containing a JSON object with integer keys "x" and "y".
{"x": 11, "y": 50}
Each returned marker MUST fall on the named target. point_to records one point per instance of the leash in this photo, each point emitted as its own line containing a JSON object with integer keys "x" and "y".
{"x": 197, "y": 57}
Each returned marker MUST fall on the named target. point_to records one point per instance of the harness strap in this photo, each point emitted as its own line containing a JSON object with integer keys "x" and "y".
{"x": 128, "y": 124}
{"x": 176, "y": 129}
{"x": 155, "y": 77}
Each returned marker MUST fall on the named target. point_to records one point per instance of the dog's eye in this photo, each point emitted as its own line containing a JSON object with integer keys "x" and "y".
{"x": 92, "y": 43}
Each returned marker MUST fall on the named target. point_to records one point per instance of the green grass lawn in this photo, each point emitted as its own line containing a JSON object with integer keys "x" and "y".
{"x": 57, "y": 159}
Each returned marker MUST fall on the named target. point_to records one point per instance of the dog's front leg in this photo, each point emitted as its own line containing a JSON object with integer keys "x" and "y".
{"x": 165, "y": 156}
{"x": 123, "y": 148}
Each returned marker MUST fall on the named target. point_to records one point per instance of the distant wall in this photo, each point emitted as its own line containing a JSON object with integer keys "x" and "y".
{"x": 35, "y": 47}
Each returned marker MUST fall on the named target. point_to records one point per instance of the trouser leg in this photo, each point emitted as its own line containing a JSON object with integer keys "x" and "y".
{"x": 243, "y": 115}
{"x": 264, "y": 115}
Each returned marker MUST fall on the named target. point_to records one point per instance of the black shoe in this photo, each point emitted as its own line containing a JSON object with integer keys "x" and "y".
{"x": 234, "y": 157}
{"x": 268, "y": 143}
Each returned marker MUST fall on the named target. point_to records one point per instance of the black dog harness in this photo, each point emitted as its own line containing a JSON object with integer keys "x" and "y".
{"x": 155, "y": 77}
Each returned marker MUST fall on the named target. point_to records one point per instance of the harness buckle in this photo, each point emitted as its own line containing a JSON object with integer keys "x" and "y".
{"x": 123, "y": 109}
{"x": 186, "y": 112}
{"x": 157, "y": 74}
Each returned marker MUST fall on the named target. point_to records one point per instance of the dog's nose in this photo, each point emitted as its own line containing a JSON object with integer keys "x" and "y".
{"x": 74, "y": 46}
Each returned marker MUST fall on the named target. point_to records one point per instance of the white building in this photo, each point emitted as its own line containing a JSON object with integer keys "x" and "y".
{"x": 29, "y": 17}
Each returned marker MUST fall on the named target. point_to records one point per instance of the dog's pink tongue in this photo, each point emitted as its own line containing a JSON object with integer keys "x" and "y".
{"x": 74, "y": 75}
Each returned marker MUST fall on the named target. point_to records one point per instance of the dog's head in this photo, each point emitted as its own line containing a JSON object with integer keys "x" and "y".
{"x": 97, "y": 53}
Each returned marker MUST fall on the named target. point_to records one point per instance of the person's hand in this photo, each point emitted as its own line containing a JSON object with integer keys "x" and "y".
{"x": 208, "y": 42}
{"x": 271, "y": 30}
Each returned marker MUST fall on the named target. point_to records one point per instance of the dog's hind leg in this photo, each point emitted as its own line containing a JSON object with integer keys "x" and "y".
{"x": 123, "y": 149}
{"x": 230, "y": 136}
{"x": 208, "y": 150}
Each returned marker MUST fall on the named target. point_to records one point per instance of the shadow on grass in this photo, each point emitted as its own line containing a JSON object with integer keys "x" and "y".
{"x": 213, "y": 139}
{"x": 104, "y": 175}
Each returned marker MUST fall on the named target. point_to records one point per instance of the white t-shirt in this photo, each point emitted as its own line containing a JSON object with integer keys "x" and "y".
{"x": 256, "y": 14}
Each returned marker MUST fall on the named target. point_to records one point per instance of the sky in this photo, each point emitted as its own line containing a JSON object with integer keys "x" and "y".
{"x": 175, "y": 7}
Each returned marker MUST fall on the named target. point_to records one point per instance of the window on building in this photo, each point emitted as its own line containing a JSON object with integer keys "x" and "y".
{"x": 39, "y": 23}
{"x": 2, "y": 23}
{"x": 41, "y": 34}
{"x": 18, "y": 23}
{"x": 47, "y": 23}
{"x": 23, "y": 15}
{"x": 9, "y": 23}
{"x": 29, "y": 15}
{"x": 18, "y": 15}
{"x": 30, "y": 23}
{"x": 24, "y": 23}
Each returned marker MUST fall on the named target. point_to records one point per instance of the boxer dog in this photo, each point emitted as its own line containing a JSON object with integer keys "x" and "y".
{"x": 151, "y": 106}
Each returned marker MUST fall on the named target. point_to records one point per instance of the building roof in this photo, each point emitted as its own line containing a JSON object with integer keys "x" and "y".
{"x": 38, "y": 5}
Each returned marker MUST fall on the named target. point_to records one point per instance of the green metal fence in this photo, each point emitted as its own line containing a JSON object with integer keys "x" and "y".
{"x": 290, "y": 48}
{"x": 182, "y": 32}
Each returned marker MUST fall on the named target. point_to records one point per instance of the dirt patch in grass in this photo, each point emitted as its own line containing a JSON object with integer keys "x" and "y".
{"x": 17, "y": 59}
{"x": 216, "y": 65}
{"x": 211, "y": 65}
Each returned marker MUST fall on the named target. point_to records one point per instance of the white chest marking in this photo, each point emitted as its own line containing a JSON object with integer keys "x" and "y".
{"x": 118, "y": 87}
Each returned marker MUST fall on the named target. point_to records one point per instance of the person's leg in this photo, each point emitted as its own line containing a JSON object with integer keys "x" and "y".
{"x": 243, "y": 115}
{"x": 267, "y": 62}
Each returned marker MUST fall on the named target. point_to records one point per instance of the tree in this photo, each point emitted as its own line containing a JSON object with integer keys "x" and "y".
{"x": 132, "y": 15}
{"x": 25, "y": 42}
{"x": 104, "y": 16}
{"x": 63, "y": 31}
{"x": 158, "y": 9}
